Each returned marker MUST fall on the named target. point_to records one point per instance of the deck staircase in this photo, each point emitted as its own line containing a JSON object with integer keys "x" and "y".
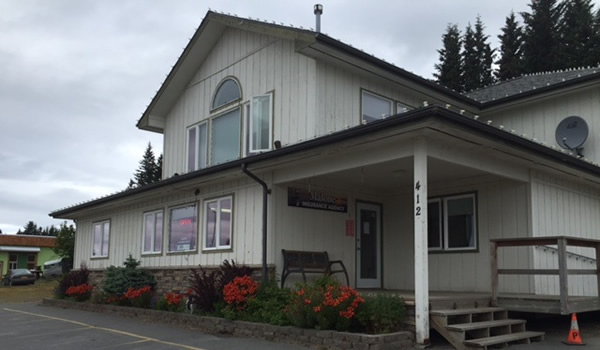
{"x": 481, "y": 328}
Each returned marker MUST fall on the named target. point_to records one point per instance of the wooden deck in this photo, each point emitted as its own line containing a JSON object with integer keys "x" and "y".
{"x": 546, "y": 304}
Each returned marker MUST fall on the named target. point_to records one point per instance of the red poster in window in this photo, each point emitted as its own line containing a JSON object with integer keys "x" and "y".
{"x": 350, "y": 228}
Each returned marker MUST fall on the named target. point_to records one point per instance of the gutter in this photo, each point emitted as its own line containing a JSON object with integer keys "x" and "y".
{"x": 266, "y": 192}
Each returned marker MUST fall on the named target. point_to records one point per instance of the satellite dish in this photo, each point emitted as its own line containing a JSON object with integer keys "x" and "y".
{"x": 571, "y": 133}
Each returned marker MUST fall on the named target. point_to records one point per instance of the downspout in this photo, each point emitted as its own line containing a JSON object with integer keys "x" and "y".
{"x": 266, "y": 192}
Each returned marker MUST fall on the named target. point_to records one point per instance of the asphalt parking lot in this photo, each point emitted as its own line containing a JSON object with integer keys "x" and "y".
{"x": 32, "y": 326}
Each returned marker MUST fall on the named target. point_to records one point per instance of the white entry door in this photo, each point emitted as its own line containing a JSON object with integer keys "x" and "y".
{"x": 368, "y": 245}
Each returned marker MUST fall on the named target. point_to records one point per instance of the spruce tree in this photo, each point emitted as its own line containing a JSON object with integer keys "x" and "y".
{"x": 146, "y": 172}
{"x": 577, "y": 35}
{"x": 541, "y": 39}
{"x": 511, "y": 40}
{"x": 31, "y": 228}
{"x": 449, "y": 70}
{"x": 470, "y": 59}
{"x": 149, "y": 170}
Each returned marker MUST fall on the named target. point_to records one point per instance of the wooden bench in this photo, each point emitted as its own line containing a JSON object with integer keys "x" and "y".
{"x": 304, "y": 262}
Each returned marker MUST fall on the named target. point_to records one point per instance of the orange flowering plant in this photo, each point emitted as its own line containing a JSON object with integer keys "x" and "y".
{"x": 141, "y": 297}
{"x": 324, "y": 305}
{"x": 239, "y": 291}
{"x": 81, "y": 292}
{"x": 172, "y": 302}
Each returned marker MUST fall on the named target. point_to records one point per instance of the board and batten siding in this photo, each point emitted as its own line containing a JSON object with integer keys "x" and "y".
{"x": 565, "y": 208}
{"x": 502, "y": 213}
{"x": 261, "y": 64}
{"x": 126, "y": 226}
{"x": 539, "y": 118}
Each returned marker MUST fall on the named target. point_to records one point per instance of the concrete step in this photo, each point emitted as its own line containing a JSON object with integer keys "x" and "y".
{"x": 521, "y": 337}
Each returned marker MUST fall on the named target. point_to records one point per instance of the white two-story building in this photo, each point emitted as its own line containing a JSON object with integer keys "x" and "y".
{"x": 284, "y": 138}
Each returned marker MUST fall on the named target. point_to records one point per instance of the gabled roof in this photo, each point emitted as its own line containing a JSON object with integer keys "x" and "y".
{"x": 209, "y": 32}
{"x": 533, "y": 83}
{"x": 28, "y": 241}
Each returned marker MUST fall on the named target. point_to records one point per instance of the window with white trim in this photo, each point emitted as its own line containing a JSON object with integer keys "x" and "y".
{"x": 31, "y": 260}
{"x": 218, "y": 223}
{"x": 375, "y": 107}
{"x": 101, "y": 239}
{"x": 12, "y": 261}
{"x": 225, "y": 132}
{"x": 197, "y": 147}
{"x": 260, "y": 124}
{"x": 183, "y": 229}
{"x": 452, "y": 223}
{"x": 153, "y": 232}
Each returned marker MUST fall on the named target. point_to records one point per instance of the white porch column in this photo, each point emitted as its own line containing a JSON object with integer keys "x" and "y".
{"x": 421, "y": 249}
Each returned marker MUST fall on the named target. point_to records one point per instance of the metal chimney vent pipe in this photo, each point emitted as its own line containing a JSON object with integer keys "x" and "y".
{"x": 318, "y": 13}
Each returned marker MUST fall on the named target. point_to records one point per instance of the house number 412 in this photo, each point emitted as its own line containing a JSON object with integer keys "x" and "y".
{"x": 418, "y": 201}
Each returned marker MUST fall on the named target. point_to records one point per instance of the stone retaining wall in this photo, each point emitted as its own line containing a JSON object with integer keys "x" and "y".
{"x": 170, "y": 279}
{"x": 306, "y": 337}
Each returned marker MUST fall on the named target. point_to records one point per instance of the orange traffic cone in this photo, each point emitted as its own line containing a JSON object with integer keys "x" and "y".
{"x": 574, "y": 336}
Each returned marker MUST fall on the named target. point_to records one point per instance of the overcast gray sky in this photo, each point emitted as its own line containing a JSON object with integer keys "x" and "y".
{"x": 76, "y": 75}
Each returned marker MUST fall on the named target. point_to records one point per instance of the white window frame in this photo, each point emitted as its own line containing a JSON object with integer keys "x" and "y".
{"x": 362, "y": 109}
{"x": 250, "y": 128}
{"x": 168, "y": 248}
{"x": 444, "y": 246}
{"x": 196, "y": 146}
{"x": 12, "y": 264}
{"x": 102, "y": 225}
{"x": 217, "y": 246}
{"x": 153, "y": 237}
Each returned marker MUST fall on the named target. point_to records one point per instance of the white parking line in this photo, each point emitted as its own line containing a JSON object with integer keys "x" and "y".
{"x": 110, "y": 330}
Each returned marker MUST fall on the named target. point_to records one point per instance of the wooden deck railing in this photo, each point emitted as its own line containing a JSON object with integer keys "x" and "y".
{"x": 563, "y": 272}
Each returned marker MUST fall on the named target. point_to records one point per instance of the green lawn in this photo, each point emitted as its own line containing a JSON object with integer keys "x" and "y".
{"x": 19, "y": 294}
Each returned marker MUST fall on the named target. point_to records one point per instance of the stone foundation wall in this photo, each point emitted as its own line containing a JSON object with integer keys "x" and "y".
{"x": 170, "y": 279}
{"x": 306, "y": 337}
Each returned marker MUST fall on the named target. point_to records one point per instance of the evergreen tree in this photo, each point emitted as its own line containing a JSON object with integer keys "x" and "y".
{"x": 577, "y": 35}
{"x": 477, "y": 58}
{"x": 30, "y": 229}
{"x": 449, "y": 70}
{"x": 149, "y": 171}
{"x": 511, "y": 40}
{"x": 541, "y": 39}
{"x": 65, "y": 243}
{"x": 470, "y": 59}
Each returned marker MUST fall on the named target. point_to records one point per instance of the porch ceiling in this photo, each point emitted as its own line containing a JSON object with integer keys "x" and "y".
{"x": 388, "y": 175}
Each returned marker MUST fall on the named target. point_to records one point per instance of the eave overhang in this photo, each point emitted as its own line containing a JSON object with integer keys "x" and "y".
{"x": 405, "y": 120}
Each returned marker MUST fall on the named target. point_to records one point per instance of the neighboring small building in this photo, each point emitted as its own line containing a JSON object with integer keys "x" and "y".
{"x": 25, "y": 252}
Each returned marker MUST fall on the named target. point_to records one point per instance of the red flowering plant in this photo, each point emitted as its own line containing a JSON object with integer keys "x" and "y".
{"x": 172, "y": 302}
{"x": 82, "y": 292}
{"x": 324, "y": 304}
{"x": 141, "y": 297}
{"x": 237, "y": 293}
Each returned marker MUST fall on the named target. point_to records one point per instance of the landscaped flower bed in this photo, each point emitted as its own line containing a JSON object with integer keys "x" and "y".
{"x": 234, "y": 303}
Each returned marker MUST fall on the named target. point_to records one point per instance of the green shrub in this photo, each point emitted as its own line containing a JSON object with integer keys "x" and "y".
{"x": 118, "y": 280}
{"x": 383, "y": 313}
{"x": 269, "y": 305}
{"x": 324, "y": 304}
{"x": 72, "y": 279}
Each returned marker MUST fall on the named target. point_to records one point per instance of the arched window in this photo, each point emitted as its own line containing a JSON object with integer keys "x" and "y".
{"x": 227, "y": 92}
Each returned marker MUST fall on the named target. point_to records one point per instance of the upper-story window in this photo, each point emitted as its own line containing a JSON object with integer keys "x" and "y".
{"x": 375, "y": 107}
{"x": 219, "y": 138}
{"x": 227, "y": 92}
